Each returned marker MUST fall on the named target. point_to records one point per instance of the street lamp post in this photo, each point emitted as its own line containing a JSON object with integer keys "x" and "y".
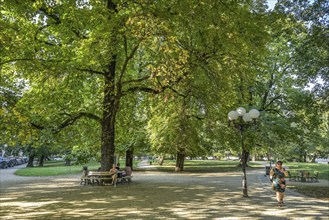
{"x": 241, "y": 120}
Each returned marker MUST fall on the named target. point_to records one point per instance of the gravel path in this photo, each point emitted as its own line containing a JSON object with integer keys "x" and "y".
{"x": 152, "y": 195}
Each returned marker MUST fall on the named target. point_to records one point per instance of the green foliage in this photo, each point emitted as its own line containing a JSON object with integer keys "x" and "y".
{"x": 64, "y": 64}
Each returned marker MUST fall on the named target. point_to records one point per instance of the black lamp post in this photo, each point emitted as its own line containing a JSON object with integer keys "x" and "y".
{"x": 241, "y": 120}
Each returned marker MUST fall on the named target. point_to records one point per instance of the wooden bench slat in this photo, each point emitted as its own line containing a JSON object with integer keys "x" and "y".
{"x": 98, "y": 177}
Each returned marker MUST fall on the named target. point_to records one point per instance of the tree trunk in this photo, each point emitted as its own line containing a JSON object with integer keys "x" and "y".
{"x": 111, "y": 102}
{"x": 314, "y": 156}
{"x": 268, "y": 156}
{"x": 30, "y": 162}
{"x": 129, "y": 158}
{"x": 161, "y": 161}
{"x": 180, "y": 158}
{"x": 110, "y": 105}
{"x": 41, "y": 161}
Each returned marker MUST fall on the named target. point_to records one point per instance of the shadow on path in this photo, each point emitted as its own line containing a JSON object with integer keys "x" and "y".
{"x": 154, "y": 195}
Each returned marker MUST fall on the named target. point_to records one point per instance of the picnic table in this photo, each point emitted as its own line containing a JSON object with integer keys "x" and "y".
{"x": 303, "y": 176}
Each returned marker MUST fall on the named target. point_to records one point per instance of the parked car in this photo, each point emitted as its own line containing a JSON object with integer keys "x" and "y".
{"x": 19, "y": 161}
{"x": 3, "y": 164}
{"x": 11, "y": 162}
{"x": 24, "y": 159}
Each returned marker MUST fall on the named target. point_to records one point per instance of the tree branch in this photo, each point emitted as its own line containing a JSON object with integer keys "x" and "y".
{"x": 91, "y": 71}
{"x": 274, "y": 110}
{"x": 37, "y": 126}
{"x": 136, "y": 80}
{"x": 155, "y": 91}
{"x": 14, "y": 60}
{"x": 195, "y": 116}
{"x": 70, "y": 121}
{"x": 275, "y": 98}
{"x": 128, "y": 57}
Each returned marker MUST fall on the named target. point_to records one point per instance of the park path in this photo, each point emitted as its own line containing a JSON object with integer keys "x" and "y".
{"x": 7, "y": 176}
{"x": 153, "y": 195}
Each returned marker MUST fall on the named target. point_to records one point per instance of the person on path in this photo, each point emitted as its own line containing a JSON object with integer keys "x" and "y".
{"x": 277, "y": 176}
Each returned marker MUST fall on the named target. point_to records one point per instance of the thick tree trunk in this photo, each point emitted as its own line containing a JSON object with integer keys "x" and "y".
{"x": 161, "y": 161}
{"x": 30, "y": 162}
{"x": 129, "y": 158}
{"x": 110, "y": 105}
{"x": 41, "y": 161}
{"x": 304, "y": 157}
{"x": 314, "y": 156}
{"x": 180, "y": 158}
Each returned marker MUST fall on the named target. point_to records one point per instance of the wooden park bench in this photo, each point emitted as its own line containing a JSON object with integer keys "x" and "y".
{"x": 292, "y": 177}
{"x": 97, "y": 177}
{"x": 124, "y": 176}
{"x": 125, "y": 179}
{"x": 304, "y": 176}
{"x": 314, "y": 178}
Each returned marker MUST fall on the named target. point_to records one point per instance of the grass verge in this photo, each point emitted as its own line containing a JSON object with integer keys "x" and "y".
{"x": 322, "y": 169}
{"x": 205, "y": 166}
{"x": 56, "y": 168}
{"x": 52, "y": 168}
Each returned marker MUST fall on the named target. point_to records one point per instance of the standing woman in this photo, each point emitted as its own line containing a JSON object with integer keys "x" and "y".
{"x": 277, "y": 175}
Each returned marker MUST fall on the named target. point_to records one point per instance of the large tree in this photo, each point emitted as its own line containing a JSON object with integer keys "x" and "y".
{"x": 83, "y": 57}
{"x": 111, "y": 48}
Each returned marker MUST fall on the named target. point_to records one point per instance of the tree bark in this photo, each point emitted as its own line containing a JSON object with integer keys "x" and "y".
{"x": 110, "y": 105}
{"x": 129, "y": 158}
{"x": 304, "y": 157}
{"x": 180, "y": 158}
{"x": 268, "y": 156}
{"x": 161, "y": 161}
{"x": 30, "y": 162}
{"x": 111, "y": 102}
{"x": 41, "y": 161}
{"x": 313, "y": 158}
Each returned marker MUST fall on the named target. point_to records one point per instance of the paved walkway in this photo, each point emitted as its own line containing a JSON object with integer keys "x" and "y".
{"x": 153, "y": 195}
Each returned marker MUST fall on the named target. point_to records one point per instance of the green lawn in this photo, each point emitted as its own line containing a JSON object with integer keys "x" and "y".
{"x": 228, "y": 166}
{"x": 323, "y": 169}
{"x": 204, "y": 166}
{"x": 55, "y": 168}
